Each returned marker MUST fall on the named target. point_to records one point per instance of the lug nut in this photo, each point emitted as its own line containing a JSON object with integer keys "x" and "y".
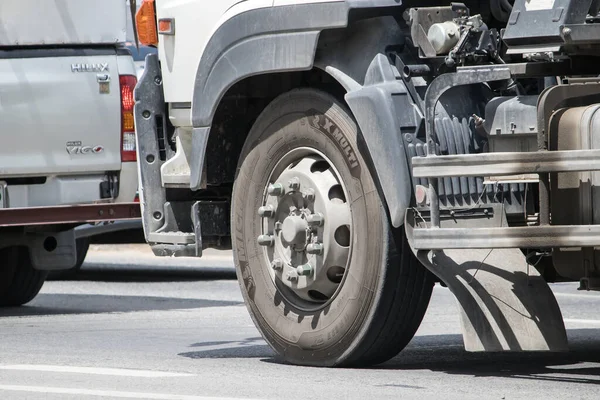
{"x": 275, "y": 189}
{"x": 266, "y": 211}
{"x": 278, "y": 226}
{"x": 309, "y": 194}
{"x": 277, "y": 264}
{"x": 314, "y": 248}
{"x": 294, "y": 183}
{"x": 316, "y": 219}
{"x": 292, "y": 276}
{"x": 304, "y": 270}
{"x": 266, "y": 240}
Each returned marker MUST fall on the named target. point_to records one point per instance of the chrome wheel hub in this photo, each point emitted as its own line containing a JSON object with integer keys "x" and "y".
{"x": 306, "y": 226}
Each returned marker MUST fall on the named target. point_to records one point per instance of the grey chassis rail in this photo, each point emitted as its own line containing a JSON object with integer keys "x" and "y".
{"x": 499, "y": 164}
{"x": 68, "y": 214}
{"x": 507, "y": 238}
{"x": 545, "y": 236}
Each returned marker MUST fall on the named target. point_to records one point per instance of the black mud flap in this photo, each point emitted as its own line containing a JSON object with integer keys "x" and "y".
{"x": 162, "y": 219}
{"x": 149, "y": 112}
{"x": 504, "y": 304}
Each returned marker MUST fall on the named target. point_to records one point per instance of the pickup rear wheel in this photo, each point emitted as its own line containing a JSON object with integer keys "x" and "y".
{"x": 19, "y": 281}
{"x": 325, "y": 278}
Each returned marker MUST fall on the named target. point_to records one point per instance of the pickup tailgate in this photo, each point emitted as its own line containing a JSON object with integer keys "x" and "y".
{"x": 60, "y": 112}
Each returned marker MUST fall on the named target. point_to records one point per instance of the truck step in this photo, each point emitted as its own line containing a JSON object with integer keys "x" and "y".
{"x": 175, "y": 172}
{"x": 182, "y": 236}
{"x": 172, "y": 237}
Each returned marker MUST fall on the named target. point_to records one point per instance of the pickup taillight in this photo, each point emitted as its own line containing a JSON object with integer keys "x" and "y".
{"x": 128, "y": 146}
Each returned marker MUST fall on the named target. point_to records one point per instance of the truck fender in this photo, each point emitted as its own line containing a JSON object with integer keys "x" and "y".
{"x": 287, "y": 38}
{"x": 379, "y": 101}
{"x": 260, "y": 41}
{"x": 375, "y": 106}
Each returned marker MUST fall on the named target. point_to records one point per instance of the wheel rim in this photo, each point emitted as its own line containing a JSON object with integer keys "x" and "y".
{"x": 306, "y": 228}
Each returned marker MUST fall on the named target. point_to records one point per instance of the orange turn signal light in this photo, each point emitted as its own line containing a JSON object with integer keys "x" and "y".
{"x": 166, "y": 26}
{"x": 145, "y": 22}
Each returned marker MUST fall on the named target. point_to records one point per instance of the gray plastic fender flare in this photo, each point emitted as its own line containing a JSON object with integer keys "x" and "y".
{"x": 375, "y": 106}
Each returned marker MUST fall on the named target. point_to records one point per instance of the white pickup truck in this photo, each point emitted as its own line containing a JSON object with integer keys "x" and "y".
{"x": 67, "y": 148}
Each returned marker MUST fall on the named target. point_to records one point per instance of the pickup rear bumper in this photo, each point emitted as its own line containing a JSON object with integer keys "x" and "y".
{"x": 32, "y": 216}
{"x": 89, "y": 230}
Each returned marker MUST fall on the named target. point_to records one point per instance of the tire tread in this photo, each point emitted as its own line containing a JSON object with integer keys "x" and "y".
{"x": 26, "y": 281}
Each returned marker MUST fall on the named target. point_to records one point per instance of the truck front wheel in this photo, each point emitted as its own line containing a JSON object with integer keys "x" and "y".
{"x": 325, "y": 278}
{"x": 19, "y": 281}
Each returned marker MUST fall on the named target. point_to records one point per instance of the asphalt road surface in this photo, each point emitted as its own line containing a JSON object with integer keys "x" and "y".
{"x": 137, "y": 327}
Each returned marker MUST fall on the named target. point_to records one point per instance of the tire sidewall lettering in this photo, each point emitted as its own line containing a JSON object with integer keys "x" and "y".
{"x": 330, "y": 129}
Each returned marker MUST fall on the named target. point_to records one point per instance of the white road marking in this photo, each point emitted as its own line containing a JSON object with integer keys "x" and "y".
{"x": 578, "y": 295}
{"x": 95, "y": 371}
{"x": 108, "y": 393}
{"x": 582, "y": 321}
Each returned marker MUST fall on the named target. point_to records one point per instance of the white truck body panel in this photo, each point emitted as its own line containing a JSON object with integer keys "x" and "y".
{"x": 45, "y": 22}
{"x": 195, "y": 22}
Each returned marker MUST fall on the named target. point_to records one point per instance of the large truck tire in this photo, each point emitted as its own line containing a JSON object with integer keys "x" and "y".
{"x": 19, "y": 281}
{"x": 325, "y": 278}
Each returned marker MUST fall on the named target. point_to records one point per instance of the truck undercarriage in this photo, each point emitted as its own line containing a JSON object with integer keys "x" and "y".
{"x": 478, "y": 125}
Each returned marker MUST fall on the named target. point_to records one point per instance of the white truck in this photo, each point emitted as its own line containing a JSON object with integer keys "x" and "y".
{"x": 354, "y": 152}
{"x": 67, "y": 153}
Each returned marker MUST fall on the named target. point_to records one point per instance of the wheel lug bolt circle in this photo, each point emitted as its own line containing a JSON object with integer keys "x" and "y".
{"x": 315, "y": 248}
{"x": 276, "y": 189}
{"x": 266, "y": 211}
{"x": 266, "y": 240}
{"x": 294, "y": 183}
{"x": 304, "y": 270}
{"x": 316, "y": 219}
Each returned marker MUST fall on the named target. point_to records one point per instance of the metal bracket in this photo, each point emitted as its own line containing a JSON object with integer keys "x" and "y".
{"x": 3, "y": 195}
{"x": 197, "y": 228}
{"x": 410, "y": 87}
